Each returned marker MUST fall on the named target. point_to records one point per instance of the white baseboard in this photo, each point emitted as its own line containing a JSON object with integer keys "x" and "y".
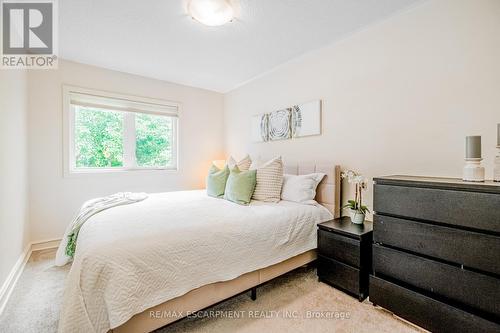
{"x": 15, "y": 273}
{"x": 45, "y": 244}
{"x": 17, "y": 270}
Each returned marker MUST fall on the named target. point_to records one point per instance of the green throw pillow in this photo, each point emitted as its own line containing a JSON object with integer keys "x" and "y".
{"x": 216, "y": 181}
{"x": 240, "y": 186}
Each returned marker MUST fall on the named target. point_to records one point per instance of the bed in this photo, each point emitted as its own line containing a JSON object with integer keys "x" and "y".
{"x": 180, "y": 252}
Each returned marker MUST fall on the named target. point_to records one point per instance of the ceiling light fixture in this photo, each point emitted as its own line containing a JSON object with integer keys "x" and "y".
{"x": 211, "y": 12}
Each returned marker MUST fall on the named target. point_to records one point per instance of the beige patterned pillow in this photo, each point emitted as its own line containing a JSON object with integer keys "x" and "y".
{"x": 269, "y": 181}
{"x": 243, "y": 165}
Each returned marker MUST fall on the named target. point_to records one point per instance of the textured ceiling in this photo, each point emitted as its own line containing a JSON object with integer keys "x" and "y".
{"x": 157, "y": 39}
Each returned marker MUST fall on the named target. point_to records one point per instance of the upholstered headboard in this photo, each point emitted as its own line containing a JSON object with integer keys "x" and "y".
{"x": 329, "y": 190}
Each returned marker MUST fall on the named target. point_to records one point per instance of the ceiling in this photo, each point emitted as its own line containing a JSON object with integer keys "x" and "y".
{"x": 157, "y": 39}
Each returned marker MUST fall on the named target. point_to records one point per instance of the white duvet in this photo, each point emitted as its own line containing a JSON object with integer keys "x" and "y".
{"x": 130, "y": 258}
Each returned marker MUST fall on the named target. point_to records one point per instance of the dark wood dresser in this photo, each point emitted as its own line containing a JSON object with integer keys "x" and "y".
{"x": 344, "y": 255}
{"x": 436, "y": 252}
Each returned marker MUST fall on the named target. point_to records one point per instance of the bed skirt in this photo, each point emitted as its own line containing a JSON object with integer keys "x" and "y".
{"x": 210, "y": 294}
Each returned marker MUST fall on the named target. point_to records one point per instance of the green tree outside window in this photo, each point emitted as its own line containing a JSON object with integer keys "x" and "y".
{"x": 152, "y": 147}
{"x": 98, "y": 138}
{"x": 99, "y": 135}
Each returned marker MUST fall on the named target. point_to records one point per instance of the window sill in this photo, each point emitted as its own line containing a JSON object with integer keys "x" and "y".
{"x": 118, "y": 171}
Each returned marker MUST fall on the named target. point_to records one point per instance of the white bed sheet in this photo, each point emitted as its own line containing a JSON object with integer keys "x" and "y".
{"x": 131, "y": 258}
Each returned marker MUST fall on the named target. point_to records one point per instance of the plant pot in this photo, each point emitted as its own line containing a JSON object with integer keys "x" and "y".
{"x": 356, "y": 216}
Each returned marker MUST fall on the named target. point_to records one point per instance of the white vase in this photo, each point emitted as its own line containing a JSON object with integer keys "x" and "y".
{"x": 356, "y": 216}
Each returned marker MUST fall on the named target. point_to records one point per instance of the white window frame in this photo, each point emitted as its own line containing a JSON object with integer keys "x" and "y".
{"x": 129, "y": 140}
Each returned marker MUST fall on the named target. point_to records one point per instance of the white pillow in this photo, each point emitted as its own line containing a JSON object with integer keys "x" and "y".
{"x": 243, "y": 165}
{"x": 269, "y": 181}
{"x": 302, "y": 188}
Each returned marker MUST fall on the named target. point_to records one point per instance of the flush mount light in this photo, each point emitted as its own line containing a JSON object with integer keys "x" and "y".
{"x": 211, "y": 12}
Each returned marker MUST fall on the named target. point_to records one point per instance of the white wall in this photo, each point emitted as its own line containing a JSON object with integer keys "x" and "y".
{"x": 398, "y": 97}
{"x": 14, "y": 231}
{"x": 55, "y": 199}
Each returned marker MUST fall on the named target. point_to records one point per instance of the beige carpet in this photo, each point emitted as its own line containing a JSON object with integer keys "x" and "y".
{"x": 281, "y": 306}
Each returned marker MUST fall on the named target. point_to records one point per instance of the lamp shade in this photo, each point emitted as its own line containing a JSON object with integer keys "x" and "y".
{"x": 219, "y": 163}
{"x": 473, "y": 146}
{"x": 498, "y": 135}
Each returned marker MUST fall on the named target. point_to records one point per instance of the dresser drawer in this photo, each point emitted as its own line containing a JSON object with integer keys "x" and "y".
{"x": 338, "y": 274}
{"x": 424, "y": 311}
{"x": 479, "y": 291}
{"x": 467, "y": 248}
{"x": 341, "y": 248}
{"x": 469, "y": 209}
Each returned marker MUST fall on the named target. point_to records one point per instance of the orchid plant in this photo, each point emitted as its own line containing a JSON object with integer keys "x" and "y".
{"x": 361, "y": 185}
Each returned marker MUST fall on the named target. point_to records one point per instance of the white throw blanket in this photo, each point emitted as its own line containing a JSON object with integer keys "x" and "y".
{"x": 89, "y": 209}
{"x": 133, "y": 257}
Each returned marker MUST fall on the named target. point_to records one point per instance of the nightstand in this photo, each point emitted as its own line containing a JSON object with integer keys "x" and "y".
{"x": 345, "y": 255}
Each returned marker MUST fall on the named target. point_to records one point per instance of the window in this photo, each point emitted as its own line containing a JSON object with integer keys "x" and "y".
{"x": 110, "y": 132}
